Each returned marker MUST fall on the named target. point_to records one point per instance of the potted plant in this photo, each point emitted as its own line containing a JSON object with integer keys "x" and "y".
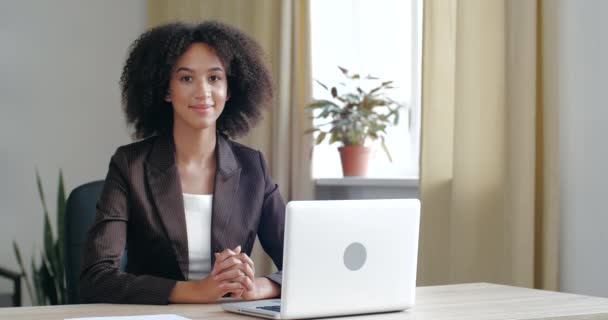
{"x": 355, "y": 115}
{"x": 47, "y": 284}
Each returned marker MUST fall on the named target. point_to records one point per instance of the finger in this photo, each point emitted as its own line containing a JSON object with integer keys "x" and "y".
{"x": 246, "y": 259}
{"x": 219, "y": 257}
{"x": 237, "y": 250}
{"x": 224, "y": 255}
{"x": 234, "y": 272}
{"x": 250, "y": 266}
{"x": 237, "y": 294}
{"x": 245, "y": 282}
{"x": 226, "y": 264}
{"x": 248, "y": 282}
{"x": 245, "y": 270}
{"x": 249, "y": 272}
{"x": 231, "y": 286}
{"x": 229, "y": 275}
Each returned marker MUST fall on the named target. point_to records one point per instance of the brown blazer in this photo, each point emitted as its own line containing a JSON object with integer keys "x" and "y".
{"x": 141, "y": 206}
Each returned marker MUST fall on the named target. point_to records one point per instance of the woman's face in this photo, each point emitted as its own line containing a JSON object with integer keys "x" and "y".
{"x": 198, "y": 88}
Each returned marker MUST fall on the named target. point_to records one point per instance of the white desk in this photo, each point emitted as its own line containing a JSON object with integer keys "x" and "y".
{"x": 451, "y": 302}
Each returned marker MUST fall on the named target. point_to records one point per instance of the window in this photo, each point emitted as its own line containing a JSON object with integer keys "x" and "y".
{"x": 381, "y": 38}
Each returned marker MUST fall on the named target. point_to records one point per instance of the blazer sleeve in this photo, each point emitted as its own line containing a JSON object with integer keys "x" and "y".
{"x": 101, "y": 280}
{"x": 272, "y": 223}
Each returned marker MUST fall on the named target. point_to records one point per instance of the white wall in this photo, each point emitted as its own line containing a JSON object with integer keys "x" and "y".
{"x": 60, "y": 63}
{"x": 583, "y": 85}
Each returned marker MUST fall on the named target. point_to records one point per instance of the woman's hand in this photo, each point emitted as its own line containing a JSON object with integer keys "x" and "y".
{"x": 202, "y": 291}
{"x": 239, "y": 267}
{"x": 229, "y": 275}
{"x": 262, "y": 289}
{"x": 234, "y": 266}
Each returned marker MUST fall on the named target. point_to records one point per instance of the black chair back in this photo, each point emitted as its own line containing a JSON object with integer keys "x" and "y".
{"x": 14, "y": 299}
{"x": 80, "y": 210}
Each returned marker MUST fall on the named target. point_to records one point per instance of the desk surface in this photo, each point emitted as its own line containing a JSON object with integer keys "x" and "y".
{"x": 462, "y": 301}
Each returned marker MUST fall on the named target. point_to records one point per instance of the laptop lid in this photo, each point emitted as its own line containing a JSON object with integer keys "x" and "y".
{"x": 344, "y": 257}
{"x": 349, "y": 257}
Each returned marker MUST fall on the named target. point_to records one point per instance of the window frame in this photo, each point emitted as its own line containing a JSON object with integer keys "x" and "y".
{"x": 414, "y": 111}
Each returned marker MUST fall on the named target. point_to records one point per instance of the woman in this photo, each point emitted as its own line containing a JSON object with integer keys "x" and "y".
{"x": 187, "y": 201}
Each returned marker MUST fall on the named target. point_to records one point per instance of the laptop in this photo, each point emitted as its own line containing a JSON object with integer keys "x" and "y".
{"x": 343, "y": 257}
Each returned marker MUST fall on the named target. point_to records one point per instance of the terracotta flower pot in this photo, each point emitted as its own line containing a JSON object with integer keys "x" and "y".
{"x": 355, "y": 160}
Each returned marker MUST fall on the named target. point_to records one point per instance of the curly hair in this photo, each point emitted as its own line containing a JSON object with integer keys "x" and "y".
{"x": 145, "y": 77}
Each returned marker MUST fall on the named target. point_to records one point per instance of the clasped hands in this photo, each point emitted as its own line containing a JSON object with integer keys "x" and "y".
{"x": 234, "y": 273}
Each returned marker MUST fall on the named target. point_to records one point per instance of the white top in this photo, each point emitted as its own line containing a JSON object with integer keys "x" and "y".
{"x": 198, "y": 226}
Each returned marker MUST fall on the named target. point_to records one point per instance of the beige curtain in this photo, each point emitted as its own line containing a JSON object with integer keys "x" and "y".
{"x": 282, "y": 29}
{"x": 489, "y": 178}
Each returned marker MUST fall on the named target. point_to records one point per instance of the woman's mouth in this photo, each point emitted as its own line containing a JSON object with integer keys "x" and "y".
{"x": 201, "y": 108}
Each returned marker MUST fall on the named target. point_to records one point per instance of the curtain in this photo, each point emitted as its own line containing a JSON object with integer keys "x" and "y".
{"x": 489, "y": 160}
{"x": 282, "y": 29}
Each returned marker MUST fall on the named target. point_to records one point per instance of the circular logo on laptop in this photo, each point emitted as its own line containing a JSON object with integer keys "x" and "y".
{"x": 355, "y": 256}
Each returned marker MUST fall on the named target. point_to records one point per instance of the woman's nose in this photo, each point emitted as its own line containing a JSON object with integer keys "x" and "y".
{"x": 203, "y": 90}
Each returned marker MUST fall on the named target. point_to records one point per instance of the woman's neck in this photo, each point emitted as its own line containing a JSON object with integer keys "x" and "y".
{"x": 195, "y": 146}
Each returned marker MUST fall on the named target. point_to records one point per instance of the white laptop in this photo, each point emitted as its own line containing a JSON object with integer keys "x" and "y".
{"x": 344, "y": 257}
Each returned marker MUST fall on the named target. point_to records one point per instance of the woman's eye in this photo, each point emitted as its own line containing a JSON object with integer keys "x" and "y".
{"x": 186, "y": 78}
{"x": 215, "y": 78}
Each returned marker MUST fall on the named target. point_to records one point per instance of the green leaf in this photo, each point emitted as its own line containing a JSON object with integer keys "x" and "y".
{"x": 55, "y": 269}
{"x": 58, "y": 267}
{"x": 320, "y": 104}
{"x": 324, "y": 114}
{"x": 60, "y": 244}
{"x": 377, "y": 103}
{"x": 321, "y": 84}
{"x": 341, "y": 99}
{"x": 320, "y": 137}
{"x": 374, "y": 90}
{"x": 48, "y": 236}
{"x": 41, "y": 192}
{"x": 333, "y": 137}
{"x": 47, "y": 282}
{"x": 47, "y": 231}
{"x": 311, "y": 130}
{"x": 40, "y": 300}
{"x": 60, "y": 209}
{"x": 23, "y": 273}
{"x": 353, "y": 98}
{"x": 388, "y": 154}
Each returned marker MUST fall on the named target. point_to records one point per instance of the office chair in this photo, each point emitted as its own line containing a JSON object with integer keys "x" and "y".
{"x": 80, "y": 210}
{"x": 16, "y": 296}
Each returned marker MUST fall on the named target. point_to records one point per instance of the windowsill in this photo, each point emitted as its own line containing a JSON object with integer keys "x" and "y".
{"x": 368, "y": 182}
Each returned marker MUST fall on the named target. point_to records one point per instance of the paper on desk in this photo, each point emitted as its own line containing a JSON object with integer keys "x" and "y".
{"x": 149, "y": 317}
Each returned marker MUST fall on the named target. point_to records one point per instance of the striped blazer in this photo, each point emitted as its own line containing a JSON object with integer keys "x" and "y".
{"x": 141, "y": 206}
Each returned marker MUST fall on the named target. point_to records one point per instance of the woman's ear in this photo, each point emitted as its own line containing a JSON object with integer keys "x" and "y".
{"x": 168, "y": 98}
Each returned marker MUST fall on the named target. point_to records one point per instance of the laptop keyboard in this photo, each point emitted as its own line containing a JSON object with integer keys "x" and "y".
{"x": 271, "y": 308}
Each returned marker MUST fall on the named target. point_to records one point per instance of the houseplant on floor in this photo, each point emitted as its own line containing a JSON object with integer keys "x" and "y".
{"x": 354, "y": 115}
{"x": 47, "y": 283}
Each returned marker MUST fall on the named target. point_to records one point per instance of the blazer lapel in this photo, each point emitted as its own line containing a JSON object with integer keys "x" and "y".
{"x": 227, "y": 178}
{"x": 166, "y": 189}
